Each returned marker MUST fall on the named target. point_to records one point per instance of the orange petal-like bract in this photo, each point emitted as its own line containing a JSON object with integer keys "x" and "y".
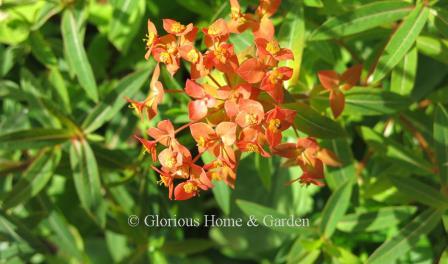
{"x": 236, "y": 102}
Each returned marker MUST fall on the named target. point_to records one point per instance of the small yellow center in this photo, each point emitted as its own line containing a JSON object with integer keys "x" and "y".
{"x": 251, "y": 119}
{"x": 171, "y": 47}
{"x": 201, "y": 142}
{"x": 165, "y": 57}
{"x": 164, "y": 180}
{"x": 216, "y": 176}
{"x": 177, "y": 27}
{"x": 150, "y": 39}
{"x": 170, "y": 162}
{"x": 220, "y": 54}
{"x": 193, "y": 56}
{"x": 275, "y": 77}
{"x": 190, "y": 187}
{"x": 213, "y": 30}
{"x": 273, "y": 47}
{"x": 274, "y": 124}
{"x": 252, "y": 147}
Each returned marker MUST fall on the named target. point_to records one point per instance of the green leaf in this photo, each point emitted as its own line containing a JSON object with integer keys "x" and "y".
{"x": 313, "y": 3}
{"x": 336, "y": 176}
{"x": 222, "y": 193}
{"x": 381, "y": 219}
{"x": 34, "y": 138}
{"x": 34, "y": 179}
{"x": 115, "y": 100}
{"x": 314, "y": 124}
{"x": 373, "y": 101}
{"x": 420, "y": 192}
{"x": 407, "y": 238}
{"x": 260, "y": 213}
{"x": 441, "y": 142}
{"x": 41, "y": 49}
{"x": 65, "y": 236}
{"x": 197, "y": 7}
{"x": 401, "y": 42}
{"x": 435, "y": 48}
{"x": 292, "y": 36}
{"x": 48, "y": 10}
{"x": 57, "y": 80}
{"x": 87, "y": 178}
{"x": 20, "y": 231}
{"x": 76, "y": 54}
{"x": 335, "y": 208}
{"x": 241, "y": 41}
{"x": 441, "y": 22}
{"x": 403, "y": 76}
{"x": 368, "y": 101}
{"x": 126, "y": 21}
{"x": 395, "y": 152}
{"x": 361, "y": 19}
{"x": 265, "y": 170}
{"x": 187, "y": 246}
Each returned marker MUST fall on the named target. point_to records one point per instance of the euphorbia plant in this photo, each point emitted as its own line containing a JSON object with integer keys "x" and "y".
{"x": 242, "y": 111}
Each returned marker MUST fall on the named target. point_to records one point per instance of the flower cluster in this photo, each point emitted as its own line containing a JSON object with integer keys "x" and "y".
{"x": 236, "y": 102}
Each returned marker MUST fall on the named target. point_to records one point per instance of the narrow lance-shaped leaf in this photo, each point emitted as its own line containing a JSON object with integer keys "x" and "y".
{"x": 335, "y": 208}
{"x": 403, "y": 76}
{"x": 41, "y": 49}
{"x": 34, "y": 138}
{"x": 292, "y": 36}
{"x": 369, "y": 101}
{"x": 264, "y": 168}
{"x": 436, "y": 48}
{"x": 114, "y": 101}
{"x": 336, "y": 176}
{"x": 396, "y": 152}
{"x": 58, "y": 83}
{"x": 361, "y": 19}
{"x": 34, "y": 179}
{"x": 20, "y": 231}
{"x": 441, "y": 142}
{"x": 76, "y": 54}
{"x": 400, "y": 42}
{"x": 86, "y": 178}
{"x": 441, "y": 22}
{"x": 127, "y": 17}
{"x": 64, "y": 236}
{"x": 313, "y": 123}
{"x": 420, "y": 191}
{"x": 407, "y": 238}
{"x": 375, "y": 220}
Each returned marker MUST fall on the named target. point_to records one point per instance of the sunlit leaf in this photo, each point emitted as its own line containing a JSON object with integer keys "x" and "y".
{"x": 420, "y": 191}
{"x": 335, "y": 208}
{"x": 403, "y": 76}
{"x": 34, "y": 138}
{"x": 381, "y": 219}
{"x": 401, "y": 42}
{"x": 407, "y": 237}
{"x": 361, "y": 19}
{"x": 292, "y": 36}
{"x": 76, "y": 54}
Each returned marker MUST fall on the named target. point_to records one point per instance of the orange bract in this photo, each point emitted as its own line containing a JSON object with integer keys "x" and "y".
{"x": 229, "y": 110}
{"x": 335, "y": 84}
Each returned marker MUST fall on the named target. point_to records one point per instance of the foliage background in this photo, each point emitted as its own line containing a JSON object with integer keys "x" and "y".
{"x": 71, "y": 173}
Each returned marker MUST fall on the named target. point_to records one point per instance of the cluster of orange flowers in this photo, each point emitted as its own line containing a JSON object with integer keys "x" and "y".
{"x": 226, "y": 118}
